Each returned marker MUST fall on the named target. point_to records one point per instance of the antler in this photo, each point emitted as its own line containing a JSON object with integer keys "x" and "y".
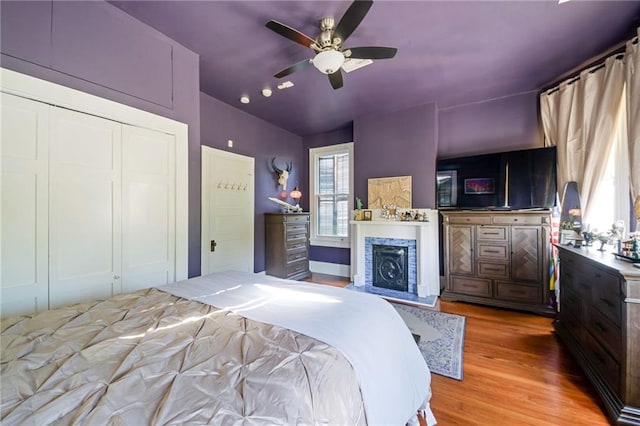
{"x": 279, "y": 170}
{"x": 275, "y": 168}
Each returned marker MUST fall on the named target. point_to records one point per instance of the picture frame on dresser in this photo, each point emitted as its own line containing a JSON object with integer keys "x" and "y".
{"x": 447, "y": 188}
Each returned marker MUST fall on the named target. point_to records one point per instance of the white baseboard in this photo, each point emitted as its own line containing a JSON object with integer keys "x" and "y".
{"x": 330, "y": 268}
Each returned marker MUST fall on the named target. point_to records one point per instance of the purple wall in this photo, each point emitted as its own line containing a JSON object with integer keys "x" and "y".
{"x": 399, "y": 144}
{"x": 255, "y": 138}
{"x": 504, "y": 124}
{"x": 315, "y": 141}
{"x": 406, "y": 143}
{"x": 68, "y": 43}
{"x": 98, "y": 49}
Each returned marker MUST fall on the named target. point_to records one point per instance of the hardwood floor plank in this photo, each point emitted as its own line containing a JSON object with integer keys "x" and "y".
{"x": 516, "y": 372}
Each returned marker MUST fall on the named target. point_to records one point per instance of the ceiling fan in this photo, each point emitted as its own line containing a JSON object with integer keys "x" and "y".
{"x": 330, "y": 55}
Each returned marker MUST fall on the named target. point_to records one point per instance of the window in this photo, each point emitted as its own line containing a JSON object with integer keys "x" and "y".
{"x": 612, "y": 194}
{"x": 331, "y": 185}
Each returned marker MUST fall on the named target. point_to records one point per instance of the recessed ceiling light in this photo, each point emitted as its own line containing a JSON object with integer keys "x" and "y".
{"x": 266, "y": 92}
{"x": 244, "y": 99}
{"x": 285, "y": 85}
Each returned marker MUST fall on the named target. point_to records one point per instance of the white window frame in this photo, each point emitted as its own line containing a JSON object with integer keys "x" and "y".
{"x": 314, "y": 153}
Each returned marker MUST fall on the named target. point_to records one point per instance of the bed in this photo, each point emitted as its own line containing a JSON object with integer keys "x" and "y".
{"x": 227, "y": 349}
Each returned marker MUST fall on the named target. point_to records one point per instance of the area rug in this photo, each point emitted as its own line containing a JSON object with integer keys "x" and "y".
{"x": 441, "y": 340}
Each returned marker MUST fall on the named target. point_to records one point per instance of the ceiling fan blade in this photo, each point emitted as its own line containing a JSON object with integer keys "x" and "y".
{"x": 290, "y": 33}
{"x": 352, "y": 18}
{"x": 336, "y": 79}
{"x": 371, "y": 52}
{"x": 293, "y": 68}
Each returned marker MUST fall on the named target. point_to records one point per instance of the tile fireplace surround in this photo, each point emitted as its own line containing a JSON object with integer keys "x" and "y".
{"x": 425, "y": 235}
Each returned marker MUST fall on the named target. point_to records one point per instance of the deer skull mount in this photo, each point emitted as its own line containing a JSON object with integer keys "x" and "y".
{"x": 283, "y": 174}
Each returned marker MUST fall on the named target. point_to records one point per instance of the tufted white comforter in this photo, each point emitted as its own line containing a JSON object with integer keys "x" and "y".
{"x": 151, "y": 357}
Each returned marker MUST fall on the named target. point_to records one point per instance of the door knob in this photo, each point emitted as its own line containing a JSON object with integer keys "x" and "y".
{"x": 213, "y": 245}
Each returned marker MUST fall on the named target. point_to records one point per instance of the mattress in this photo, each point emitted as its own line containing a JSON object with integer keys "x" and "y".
{"x": 155, "y": 357}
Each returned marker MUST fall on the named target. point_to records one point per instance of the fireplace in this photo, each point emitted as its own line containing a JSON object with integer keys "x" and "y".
{"x": 391, "y": 267}
{"x": 419, "y": 240}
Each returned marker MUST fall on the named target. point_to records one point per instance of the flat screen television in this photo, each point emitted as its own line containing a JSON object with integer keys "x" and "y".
{"x": 524, "y": 179}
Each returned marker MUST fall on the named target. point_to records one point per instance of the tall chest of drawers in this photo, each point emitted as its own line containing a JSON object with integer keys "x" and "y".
{"x": 497, "y": 258}
{"x": 287, "y": 245}
{"x": 599, "y": 321}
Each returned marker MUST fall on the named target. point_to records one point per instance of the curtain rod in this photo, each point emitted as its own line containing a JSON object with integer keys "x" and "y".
{"x": 572, "y": 80}
{"x": 574, "y": 73}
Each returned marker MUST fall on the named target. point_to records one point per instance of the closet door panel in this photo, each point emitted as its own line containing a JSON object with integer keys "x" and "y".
{"x": 85, "y": 207}
{"x": 148, "y": 163}
{"x": 23, "y": 205}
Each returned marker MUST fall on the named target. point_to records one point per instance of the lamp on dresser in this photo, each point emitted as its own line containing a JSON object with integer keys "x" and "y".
{"x": 296, "y": 195}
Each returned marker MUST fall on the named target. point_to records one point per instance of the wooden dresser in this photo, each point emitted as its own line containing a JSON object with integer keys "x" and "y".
{"x": 498, "y": 258}
{"x": 287, "y": 245}
{"x": 599, "y": 322}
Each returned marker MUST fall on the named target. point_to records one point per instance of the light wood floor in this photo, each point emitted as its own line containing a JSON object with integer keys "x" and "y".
{"x": 516, "y": 372}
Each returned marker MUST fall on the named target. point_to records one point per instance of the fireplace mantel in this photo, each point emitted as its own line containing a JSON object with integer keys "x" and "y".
{"x": 424, "y": 232}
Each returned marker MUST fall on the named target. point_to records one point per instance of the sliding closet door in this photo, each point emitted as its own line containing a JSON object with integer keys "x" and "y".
{"x": 84, "y": 207}
{"x": 148, "y": 203}
{"x": 23, "y": 206}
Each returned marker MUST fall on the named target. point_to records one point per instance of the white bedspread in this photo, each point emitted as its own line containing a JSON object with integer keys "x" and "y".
{"x": 394, "y": 378}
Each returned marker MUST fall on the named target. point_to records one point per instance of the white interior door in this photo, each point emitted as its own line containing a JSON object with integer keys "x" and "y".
{"x": 84, "y": 207}
{"x": 227, "y": 211}
{"x": 24, "y": 144}
{"x": 149, "y": 208}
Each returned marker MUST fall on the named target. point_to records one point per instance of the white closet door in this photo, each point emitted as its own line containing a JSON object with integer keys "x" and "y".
{"x": 84, "y": 207}
{"x": 23, "y": 205}
{"x": 148, "y": 202}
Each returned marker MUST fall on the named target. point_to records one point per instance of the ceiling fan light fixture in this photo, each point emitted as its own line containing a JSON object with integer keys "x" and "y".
{"x": 352, "y": 64}
{"x": 328, "y": 61}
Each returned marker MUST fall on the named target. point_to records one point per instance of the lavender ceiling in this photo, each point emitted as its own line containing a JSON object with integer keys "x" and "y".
{"x": 449, "y": 52}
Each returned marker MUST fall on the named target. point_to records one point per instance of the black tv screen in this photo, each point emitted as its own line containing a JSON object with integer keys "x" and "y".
{"x": 523, "y": 179}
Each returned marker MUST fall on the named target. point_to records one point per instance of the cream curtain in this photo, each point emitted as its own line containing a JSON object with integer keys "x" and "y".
{"x": 578, "y": 118}
{"x": 632, "y": 76}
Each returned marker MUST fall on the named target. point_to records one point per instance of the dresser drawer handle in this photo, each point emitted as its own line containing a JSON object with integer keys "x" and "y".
{"x": 492, "y": 233}
{"x": 600, "y": 327}
{"x": 493, "y": 270}
{"x": 492, "y": 251}
{"x": 607, "y": 302}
